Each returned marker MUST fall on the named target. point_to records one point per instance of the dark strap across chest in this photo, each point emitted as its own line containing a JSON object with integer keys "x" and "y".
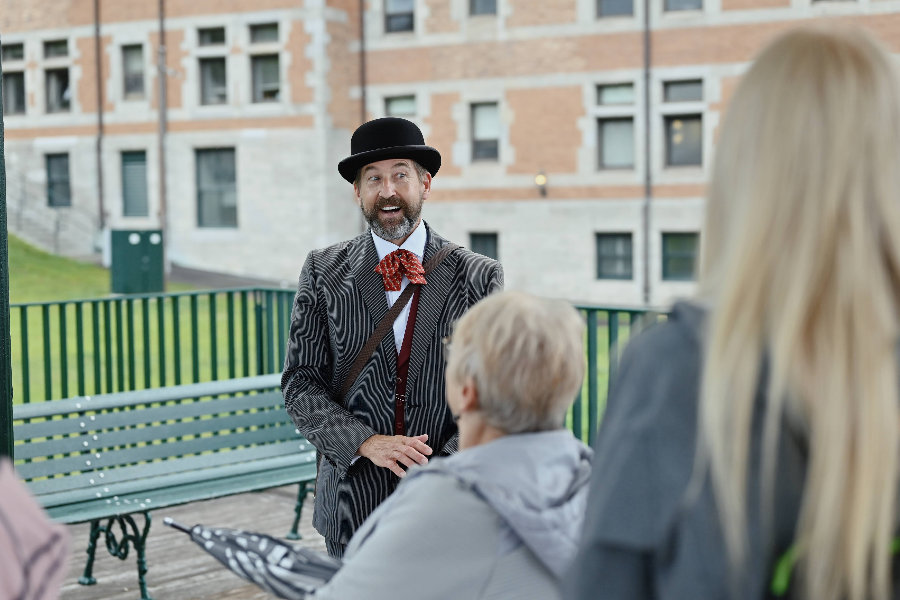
{"x": 403, "y": 367}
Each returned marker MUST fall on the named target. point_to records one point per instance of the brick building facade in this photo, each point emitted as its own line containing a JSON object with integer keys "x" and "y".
{"x": 263, "y": 96}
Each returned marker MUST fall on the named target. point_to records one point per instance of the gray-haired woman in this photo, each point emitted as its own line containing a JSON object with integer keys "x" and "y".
{"x": 500, "y": 519}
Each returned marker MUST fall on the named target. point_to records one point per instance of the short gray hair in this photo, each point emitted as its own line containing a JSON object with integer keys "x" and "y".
{"x": 526, "y": 357}
{"x": 419, "y": 169}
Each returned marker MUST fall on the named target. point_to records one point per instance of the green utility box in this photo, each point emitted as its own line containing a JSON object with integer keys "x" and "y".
{"x": 137, "y": 261}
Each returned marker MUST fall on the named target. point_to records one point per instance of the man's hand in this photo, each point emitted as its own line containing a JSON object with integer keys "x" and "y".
{"x": 389, "y": 450}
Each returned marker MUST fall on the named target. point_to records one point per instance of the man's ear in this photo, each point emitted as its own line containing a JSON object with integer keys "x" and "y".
{"x": 356, "y": 194}
{"x": 426, "y": 182}
{"x": 469, "y": 395}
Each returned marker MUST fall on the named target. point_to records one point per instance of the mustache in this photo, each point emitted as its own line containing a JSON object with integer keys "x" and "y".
{"x": 392, "y": 201}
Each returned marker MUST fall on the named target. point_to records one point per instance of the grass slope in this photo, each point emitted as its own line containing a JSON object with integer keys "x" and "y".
{"x": 36, "y": 276}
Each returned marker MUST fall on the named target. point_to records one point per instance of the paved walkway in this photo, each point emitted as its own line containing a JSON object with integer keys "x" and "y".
{"x": 178, "y": 568}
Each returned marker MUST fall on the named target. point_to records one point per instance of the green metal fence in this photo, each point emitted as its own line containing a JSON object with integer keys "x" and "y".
{"x": 98, "y": 346}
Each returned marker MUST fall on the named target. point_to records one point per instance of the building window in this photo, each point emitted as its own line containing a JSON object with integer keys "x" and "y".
{"x": 213, "y": 83}
{"x": 679, "y": 256}
{"x": 134, "y": 184}
{"x": 211, "y": 36}
{"x": 684, "y": 140}
{"x": 58, "y": 95}
{"x": 400, "y": 106}
{"x": 484, "y": 244}
{"x": 263, "y": 34}
{"x": 266, "y": 78}
{"x": 483, "y": 7}
{"x": 59, "y": 192}
{"x": 485, "y": 131}
{"x": 673, "y": 5}
{"x": 683, "y": 91}
{"x": 615, "y": 94}
{"x": 615, "y": 8}
{"x": 216, "y": 188}
{"x": 14, "y": 93}
{"x": 12, "y": 52}
{"x": 398, "y": 15}
{"x": 614, "y": 256}
{"x": 133, "y": 70}
{"x": 56, "y": 48}
{"x": 617, "y": 143}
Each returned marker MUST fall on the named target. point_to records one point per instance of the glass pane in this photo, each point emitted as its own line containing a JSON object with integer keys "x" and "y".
{"x": 58, "y": 192}
{"x": 679, "y": 255}
{"x": 399, "y": 6}
{"x": 614, "y": 260}
{"x": 134, "y": 184}
{"x": 213, "y": 81}
{"x": 620, "y": 93}
{"x": 683, "y": 91}
{"x": 617, "y": 143}
{"x": 684, "y": 4}
{"x": 266, "y": 78}
{"x": 56, "y": 48}
{"x": 485, "y": 121}
{"x": 485, "y": 150}
{"x": 614, "y": 8}
{"x": 484, "y": 244}
{"x": 216, "y": 188}
{"x": 57, "y": 90}
{"x": 14, "y": 93}
{"x": 401, "y": 106}
{"x": 684, "y": 140}
{"x": 400, "y": 22}
{"x": 483, "y": 7}
{"x": 13, "y": 52}
{"x": 212, "y": 36}
{"x": 133, "y": 68}
{"x": 264, "y": 33}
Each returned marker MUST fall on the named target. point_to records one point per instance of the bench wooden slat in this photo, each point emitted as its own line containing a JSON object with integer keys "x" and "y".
{"x": 163, "y": 467}
{"x": 86, "y": 462}
{"x": 100, "y": 440}
{"x": 150, "y": 414}
{"x": 99, "y": 509}
{"x": 150, "y": 396}
{"x": 137, "y": 487}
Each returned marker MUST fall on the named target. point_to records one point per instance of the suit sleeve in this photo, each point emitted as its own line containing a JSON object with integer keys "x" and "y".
{"x": 308, "y": 368}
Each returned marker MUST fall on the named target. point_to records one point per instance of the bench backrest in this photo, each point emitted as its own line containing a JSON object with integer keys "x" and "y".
{"x": 65, "y": 445}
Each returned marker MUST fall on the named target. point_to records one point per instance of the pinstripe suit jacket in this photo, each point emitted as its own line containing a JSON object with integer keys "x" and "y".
{"x": 339, "y": 302}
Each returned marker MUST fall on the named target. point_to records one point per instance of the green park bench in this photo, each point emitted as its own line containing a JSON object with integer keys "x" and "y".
{"x": 110, "y": 457}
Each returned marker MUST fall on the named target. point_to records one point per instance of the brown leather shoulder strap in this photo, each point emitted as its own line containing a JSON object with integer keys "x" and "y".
{"x": 387, "y": 322}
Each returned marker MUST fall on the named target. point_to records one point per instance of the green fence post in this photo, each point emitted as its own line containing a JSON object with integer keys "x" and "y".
{"x": 592, "y": 375}
{"x": 6, "y": 389}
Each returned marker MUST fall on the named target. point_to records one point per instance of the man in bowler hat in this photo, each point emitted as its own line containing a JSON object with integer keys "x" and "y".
{"x": 394, "y": 413}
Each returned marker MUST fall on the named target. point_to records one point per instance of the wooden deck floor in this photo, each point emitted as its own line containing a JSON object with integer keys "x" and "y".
{"x": 178, "y": 568}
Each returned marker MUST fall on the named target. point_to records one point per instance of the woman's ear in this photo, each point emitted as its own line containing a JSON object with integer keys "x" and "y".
{"x": 469, "y": 394}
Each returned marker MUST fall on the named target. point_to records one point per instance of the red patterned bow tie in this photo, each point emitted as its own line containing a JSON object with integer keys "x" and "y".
{"x": 397, "y": 264}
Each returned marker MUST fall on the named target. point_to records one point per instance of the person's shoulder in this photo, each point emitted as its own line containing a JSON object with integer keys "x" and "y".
{"x": 340, "y": 251}
{"x": 444, "y": 493}
{"x": 667, "y": 341}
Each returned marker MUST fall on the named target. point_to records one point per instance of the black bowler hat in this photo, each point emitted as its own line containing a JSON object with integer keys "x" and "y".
{"x": 390, "y": 137}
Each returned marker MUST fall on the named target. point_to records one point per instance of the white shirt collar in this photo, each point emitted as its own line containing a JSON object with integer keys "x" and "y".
{"x": 415, "y": 243}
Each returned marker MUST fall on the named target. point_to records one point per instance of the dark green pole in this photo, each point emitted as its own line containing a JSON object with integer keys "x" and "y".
{"x": 6, "y": 390}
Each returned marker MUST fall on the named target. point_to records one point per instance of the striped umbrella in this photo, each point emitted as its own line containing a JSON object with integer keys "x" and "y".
{"x": 284, "y": 570}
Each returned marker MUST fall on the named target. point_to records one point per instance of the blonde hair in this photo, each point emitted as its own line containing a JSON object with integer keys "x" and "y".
{"x": 800, "y": 265}
{"x": 526, "y": 357}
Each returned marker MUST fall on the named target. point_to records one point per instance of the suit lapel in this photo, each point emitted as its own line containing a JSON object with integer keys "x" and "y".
{"x": 371, "y": 287}
{"x": 431, "y": 303}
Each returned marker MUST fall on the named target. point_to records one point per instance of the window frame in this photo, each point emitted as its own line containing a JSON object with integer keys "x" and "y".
{"x": 259, "y": 98}
{"x": 387, "y": 103}
{"x": 388, "y": 28}
{"x": 474, "y": 13}
{"x": 667, "y": 7}
{"x": 667, "y": 85}
{"x": 613, "y": 111}
{"x": 598, "y": 237}
{"x": 131, "y": 95}
{"x": 484, "y": 143}
{"x": 50, "y": 43}
{"x": 199, "y": 190}
{"x": 485, "y": 235}
{"x": 598, "y": 6}
{"x": 205, "y": 60}
{"x": 10, "y": 45}
{"x": 202, "y": 30}
{"x": 254, "y": 27}
{"x": 666, "y": 256}
{"x": 667, "y": 145}
{"x": 51, "y": 183}
{"x": 8, "y": 77}
{"x": 600, "y": 122}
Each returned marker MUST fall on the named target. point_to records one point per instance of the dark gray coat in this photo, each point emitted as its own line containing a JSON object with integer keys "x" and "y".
{"x": 339, "y": 302}
{"x": 645, "y": 536}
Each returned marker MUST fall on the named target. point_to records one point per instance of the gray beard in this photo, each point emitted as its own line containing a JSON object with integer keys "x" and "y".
{"x": 393, "y": 233}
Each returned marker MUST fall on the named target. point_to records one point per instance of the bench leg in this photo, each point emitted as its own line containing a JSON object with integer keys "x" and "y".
{"x": 298, "y": 508}
{"x": 88, "y": 577}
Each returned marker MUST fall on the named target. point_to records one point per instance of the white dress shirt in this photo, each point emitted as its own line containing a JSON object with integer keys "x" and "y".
{"x": 415, "y": 243}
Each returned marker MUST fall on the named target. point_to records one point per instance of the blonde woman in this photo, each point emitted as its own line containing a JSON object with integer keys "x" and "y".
{"x": 501, "y": 518}
{"x": 750, "y": 447}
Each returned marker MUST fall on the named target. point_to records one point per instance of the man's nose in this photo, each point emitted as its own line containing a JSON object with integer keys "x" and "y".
{"x": 387, "y": 189}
